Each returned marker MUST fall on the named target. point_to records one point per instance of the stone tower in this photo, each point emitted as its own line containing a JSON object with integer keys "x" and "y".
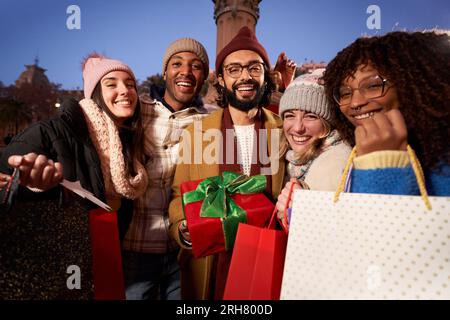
{"x": 232, "y": 15}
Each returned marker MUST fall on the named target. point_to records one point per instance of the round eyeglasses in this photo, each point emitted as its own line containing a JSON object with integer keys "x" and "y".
{"x": 370, "y": 88}
{"x": 234, "y": 70}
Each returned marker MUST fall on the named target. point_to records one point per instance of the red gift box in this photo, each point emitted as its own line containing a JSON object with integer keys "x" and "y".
{"x": 207, "y": 234}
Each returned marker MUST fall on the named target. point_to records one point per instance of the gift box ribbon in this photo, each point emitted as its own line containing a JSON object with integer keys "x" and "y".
{"x": 217, "y": 202}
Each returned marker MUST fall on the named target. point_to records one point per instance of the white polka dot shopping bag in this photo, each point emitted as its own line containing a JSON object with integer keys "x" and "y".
{"x": 367, "y": 246}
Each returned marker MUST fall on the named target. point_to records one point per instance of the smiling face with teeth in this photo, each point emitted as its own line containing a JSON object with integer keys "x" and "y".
{"x": 361, "y": 108}
{"x": 302, "y": 129}
{"x": 244, "y": 92}
{"x": 119, "y": 94}
{"x": 184, "y": 78}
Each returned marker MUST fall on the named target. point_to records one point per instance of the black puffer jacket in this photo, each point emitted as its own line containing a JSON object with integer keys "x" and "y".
{"x": 65, "y": 139}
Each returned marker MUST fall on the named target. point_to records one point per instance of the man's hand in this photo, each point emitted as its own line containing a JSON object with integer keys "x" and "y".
{"x": 384, "y": 131}
{"x": 286, "y": 67}
{"x": 36, "y": 171}
{"x": 184, "y": 231}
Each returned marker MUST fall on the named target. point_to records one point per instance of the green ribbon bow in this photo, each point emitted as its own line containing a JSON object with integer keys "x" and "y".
{"x": 217, "y": 203}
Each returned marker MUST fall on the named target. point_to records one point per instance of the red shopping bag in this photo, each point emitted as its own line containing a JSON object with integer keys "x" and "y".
{"x": 106, "y": 256}
{"x": 256, "y": 269}
{"x": 257, "y": 263}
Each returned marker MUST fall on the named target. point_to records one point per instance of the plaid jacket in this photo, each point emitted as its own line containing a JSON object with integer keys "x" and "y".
{"x": 148, "y": 231}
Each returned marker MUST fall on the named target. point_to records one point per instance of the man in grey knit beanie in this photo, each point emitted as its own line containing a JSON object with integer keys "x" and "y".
{"x": 185, "y": 68}
{"x": 186, "y": 45}
{"x": 151, "y": 268}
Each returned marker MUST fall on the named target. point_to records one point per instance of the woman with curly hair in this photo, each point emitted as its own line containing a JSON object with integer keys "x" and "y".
{"x": 394, "y": 90}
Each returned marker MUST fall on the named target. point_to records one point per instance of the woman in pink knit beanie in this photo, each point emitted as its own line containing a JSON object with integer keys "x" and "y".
{"x": 97, "y": 141}
{"x": 112, "y": 111}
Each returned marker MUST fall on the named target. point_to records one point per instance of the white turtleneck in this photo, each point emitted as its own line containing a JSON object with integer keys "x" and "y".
{"x": 245, "y": 139}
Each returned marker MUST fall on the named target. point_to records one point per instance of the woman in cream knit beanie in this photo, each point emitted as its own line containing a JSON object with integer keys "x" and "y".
{"x": 315, "y": 155}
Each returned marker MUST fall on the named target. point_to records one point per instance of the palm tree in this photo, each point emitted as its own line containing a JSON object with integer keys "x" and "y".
{"x": 155, "y": 79}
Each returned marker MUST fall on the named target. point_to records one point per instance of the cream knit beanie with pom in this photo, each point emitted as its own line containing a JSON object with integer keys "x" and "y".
{"x": 307, "y": 94}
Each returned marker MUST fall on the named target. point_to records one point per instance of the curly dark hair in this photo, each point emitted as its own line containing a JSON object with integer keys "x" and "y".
{"x": 269, "y": 87}
{"x": 418, "y": 64}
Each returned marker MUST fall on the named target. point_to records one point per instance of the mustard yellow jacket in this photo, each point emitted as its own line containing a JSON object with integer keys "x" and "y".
{"x": 195, "y": 273}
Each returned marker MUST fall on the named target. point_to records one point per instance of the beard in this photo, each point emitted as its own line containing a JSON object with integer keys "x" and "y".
{"x": 244, "y": 105}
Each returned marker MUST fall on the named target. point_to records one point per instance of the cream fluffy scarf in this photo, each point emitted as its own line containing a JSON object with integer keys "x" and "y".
{"x": 105, "y": 137}
{"x": 299, "y": 170}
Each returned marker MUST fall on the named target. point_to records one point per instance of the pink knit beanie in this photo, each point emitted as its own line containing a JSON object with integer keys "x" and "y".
{"x": 95, "y": 67}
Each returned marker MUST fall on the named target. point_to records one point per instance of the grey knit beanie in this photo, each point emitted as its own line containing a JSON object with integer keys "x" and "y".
{"x": 307, "y": 94}
{"x": 186, "y": 45}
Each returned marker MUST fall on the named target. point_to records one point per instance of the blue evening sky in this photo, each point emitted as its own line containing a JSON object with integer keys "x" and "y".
{"x": 138, "y": 31}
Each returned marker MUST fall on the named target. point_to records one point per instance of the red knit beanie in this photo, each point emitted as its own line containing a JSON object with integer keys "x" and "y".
{"x": 244, "y": 40}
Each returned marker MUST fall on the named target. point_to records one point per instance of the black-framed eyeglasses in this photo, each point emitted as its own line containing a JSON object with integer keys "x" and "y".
{"x": 370, "y": 88}
{"x": 234, "y": 70}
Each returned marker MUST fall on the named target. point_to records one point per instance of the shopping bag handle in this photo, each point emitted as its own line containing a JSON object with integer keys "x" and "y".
{"x": 286, "y": 207}
{"x": 417, "y": 168}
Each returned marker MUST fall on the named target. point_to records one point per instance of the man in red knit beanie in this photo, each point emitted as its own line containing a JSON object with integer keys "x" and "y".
{"x": 242, "y": 69}
{"x": 243, "y": 47}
